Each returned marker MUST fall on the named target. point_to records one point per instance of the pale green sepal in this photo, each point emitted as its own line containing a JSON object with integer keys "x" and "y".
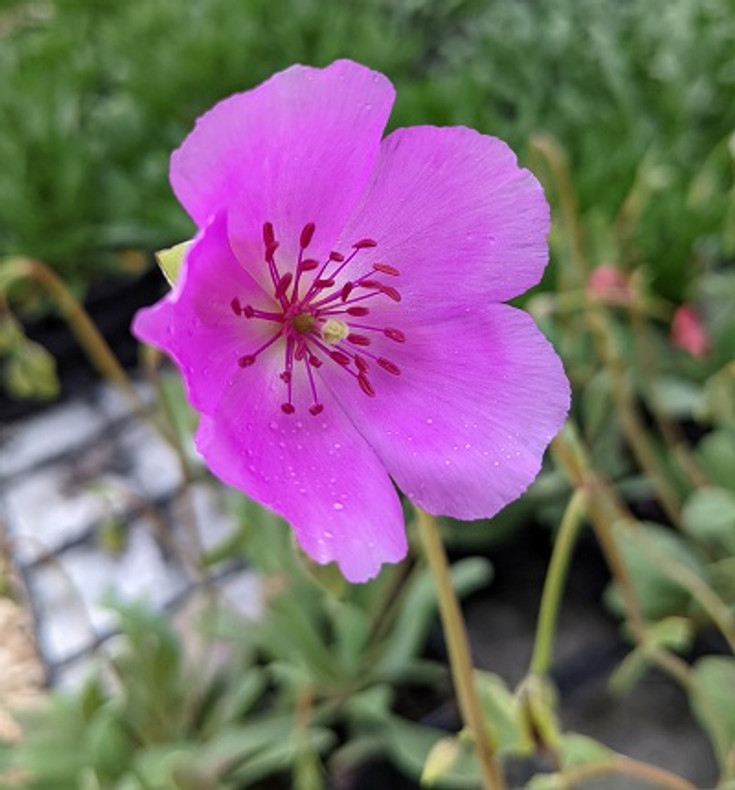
{"x": 170, "y": 260}
{"x": 442, "y": 757}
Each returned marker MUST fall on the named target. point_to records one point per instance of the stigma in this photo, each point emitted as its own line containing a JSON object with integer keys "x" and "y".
{"x": 322, "y": 316}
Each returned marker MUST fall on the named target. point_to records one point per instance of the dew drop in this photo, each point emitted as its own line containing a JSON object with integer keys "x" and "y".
{"x": 273, "y": 426}
{"x": 429, "y": 421}
{"x": 338, "y": 506}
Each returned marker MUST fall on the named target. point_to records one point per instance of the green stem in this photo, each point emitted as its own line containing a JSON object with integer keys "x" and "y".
{"x": 81, "y": 325}
{"x": 459, "y": 652}
{"x": 554, "y": 584}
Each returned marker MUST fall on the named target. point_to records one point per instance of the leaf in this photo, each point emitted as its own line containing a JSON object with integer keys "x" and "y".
{"x": 418, "y": 610}
{"x": 716, "y": 454}
{"x": 712, "y": 695}
{"x": 170, "y": 259}
{"x": 645, "y": 549}
{"x": 596, "y": 403}
{"x": 410, "y": 744}
{"x": 679, "y": 398}
{"x": 709, "y": 516}
{"x": 577, "y": 750}
{"x": 675, "y": 633}
{"x": 442, "y": 757}
{"x": 504, "y": 715}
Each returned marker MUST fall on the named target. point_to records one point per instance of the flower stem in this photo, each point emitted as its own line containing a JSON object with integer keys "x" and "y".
{"x": 459, "y": 652}
{"x": 554, "y": 584}
{"x": 86, "y": 333}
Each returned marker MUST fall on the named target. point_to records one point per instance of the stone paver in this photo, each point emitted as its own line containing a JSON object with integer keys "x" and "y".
{"x": 31, "y": 441}
{"x": 65, "y": 477}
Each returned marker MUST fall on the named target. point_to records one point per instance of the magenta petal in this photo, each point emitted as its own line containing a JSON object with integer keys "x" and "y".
{"x": 298, "y": 148}
{"x": 463, "y": 428}
{"x": 316, "y": 472}
{"x": 451, "y": 209}
{"x": 195, "y": 323}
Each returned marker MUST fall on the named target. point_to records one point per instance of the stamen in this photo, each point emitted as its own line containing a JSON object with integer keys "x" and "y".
{"x": 394, "y": 334}
{"x": 386, "y": 364}
{"x": 283, "y": 284}
{"x": 268, "y": 234}
{"x": 318, "y": 326}
{"x": 306, "y": 235}
{"x": 365, "y": 385}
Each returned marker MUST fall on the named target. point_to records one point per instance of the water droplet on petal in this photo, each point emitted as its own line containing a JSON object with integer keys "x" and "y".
{"x": 338, "y": 506}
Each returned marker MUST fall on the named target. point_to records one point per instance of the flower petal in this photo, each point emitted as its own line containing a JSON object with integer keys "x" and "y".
{"x": 451, "y": 209}
{"x": 298, "y": 148}
{"x": 315, "y": 471}
{"x": 463, "y": 428}
{"x": 195, "y": 322}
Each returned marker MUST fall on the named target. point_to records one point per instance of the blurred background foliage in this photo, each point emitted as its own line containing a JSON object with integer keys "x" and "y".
{"x": 97, "y": 93}
{"x": 626, "y": 111}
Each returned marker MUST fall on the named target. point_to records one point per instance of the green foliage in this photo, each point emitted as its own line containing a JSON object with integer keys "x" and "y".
{"x": 84, "y": 159}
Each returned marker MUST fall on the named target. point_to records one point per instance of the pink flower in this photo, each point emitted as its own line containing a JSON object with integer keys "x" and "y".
{"x": 338, "y": 321}
{"x": 610, "y": 285}
{"x": 688, "y": 332}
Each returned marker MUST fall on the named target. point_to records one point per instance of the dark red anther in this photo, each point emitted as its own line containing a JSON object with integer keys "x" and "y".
{"x": 285, "y": 376}
{"x": 270, "y": 250}
{"x": 385, "y": 269}
{"x": 246, "y": 361}
{"x": 317, "y": 408}
{"x": 336, "y": 256}
{"x": 308, "y": 265}
{"x": 306, "y": 235}
{"x": 394, "y": 334}
{"x": 283, "y": 284}
{"x": 360, "y": 364}
{"x": 340, "y": 358}
{"x": 315, "y": 362}
{"x": 386, "y": 364}
{"x": 287, "y": 408}
{"x": 248, "y": 311}
{"x": 300, "y": 352}
{"x": 346, "y": 291}
{"x": 390, "y": 292}
{"x": 370, "y": 284}
{"x": 268, "y": 235}
{"x": 328, "y": 283}
{"x": 235, "y": 305}
{"x": 358, "y": 340}
{"x": 365, "y": 385}
{"x": 357, "y": 311}
{"x": 363, "y": 244}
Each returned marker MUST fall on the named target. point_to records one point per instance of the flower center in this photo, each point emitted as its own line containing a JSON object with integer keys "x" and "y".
{"x": 318, "y": 323}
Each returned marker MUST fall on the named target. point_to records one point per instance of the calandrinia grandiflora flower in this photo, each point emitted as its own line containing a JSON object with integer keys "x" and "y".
{"x": 339, "y": 321}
